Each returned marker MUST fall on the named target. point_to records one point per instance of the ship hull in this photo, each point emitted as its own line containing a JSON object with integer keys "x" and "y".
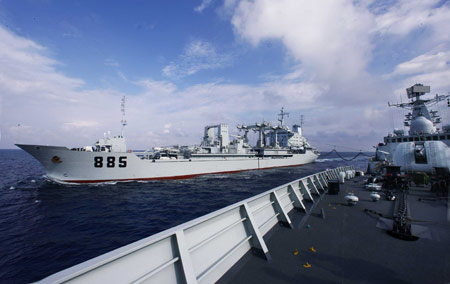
{"x": 65, "y": 165}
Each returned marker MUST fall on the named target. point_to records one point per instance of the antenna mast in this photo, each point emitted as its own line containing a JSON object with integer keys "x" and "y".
{"x": 123, "y": 121}
{"x": 282, "y": 114}
{"x": 418, "y": 105}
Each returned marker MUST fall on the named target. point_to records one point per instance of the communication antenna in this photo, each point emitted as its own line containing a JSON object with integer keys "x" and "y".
{"x": 123, "y": 121}
{"x": 282, "y": 114}
{"x": 301, "y": 120}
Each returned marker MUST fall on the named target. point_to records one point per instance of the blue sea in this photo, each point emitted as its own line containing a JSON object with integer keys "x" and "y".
{"x": 46, "y": 227}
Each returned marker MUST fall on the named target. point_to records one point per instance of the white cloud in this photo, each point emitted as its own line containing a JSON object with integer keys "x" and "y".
{"x": 111, "y": 62}
{"x": 329, "y": 41}
{"x": 328, "y": 37}
{"x": 406, "y": 16}
{"x": 25, "y": 69}
{"x": 35, "y": 94}
{"x": 79, "y": 124}
{"x": 205, "y": 4}
{"x": 429, "y": 62}
{"x": 432, "y": 65}
{"x": 76, "y": 117}
{"x": 432, "y": 68}
{"x": 297, "y": 74}
{"x": 157, "y": 88}
{"x": 70, "y": 31}
{"x": 167, "y": 127}
{"x": 437, "y": 80}
{"x": 333, "y": 41}
{"x": 198, "y": 55}
{"x": 330, "y": 46}
{"x": 373, "y": 114}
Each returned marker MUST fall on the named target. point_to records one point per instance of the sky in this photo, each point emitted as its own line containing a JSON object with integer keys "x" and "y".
{"x": 182, "y": 65}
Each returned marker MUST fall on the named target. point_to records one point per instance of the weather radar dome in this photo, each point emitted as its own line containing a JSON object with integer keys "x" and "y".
{"x": 421, "y": 125}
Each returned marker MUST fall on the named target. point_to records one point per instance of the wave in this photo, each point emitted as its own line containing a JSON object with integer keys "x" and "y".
{"x": 340, "y": 159}
{"x": 60, "y": 182}
{"x": 328, "y": 160}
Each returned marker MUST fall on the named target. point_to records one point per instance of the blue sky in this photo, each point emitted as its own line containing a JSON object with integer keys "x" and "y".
{"x": 64, "y": 65}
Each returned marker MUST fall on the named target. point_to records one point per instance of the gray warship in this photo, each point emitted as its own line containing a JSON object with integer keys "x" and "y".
{"x": 425, "y": 146}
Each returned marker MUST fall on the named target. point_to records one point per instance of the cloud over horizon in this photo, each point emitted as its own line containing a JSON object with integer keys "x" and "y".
{"x": 330, "y": 51}
{"x": 198, "y": 55}
{"x": 334, "y": 41}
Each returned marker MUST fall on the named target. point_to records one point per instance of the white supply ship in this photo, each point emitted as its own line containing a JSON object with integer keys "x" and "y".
{"x": 425, "y": 147}
{"x": 110, "y": 160}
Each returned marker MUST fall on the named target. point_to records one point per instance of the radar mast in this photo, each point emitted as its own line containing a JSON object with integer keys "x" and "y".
{"x": 281, "y": 115}
{"x": 123, "y": 121}
{"x": 418, "y": 106}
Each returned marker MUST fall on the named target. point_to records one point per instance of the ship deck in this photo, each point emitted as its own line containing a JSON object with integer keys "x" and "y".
{"x": 349, "y": 245}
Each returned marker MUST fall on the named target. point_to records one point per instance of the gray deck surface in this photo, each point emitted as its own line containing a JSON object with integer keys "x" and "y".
{"x": 350, "y": 248}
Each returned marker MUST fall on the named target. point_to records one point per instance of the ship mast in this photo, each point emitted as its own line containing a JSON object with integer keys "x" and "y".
{"x": 123, "y": 121}
{"x": 418, "y": 105}
{"x": 282, "y": 114}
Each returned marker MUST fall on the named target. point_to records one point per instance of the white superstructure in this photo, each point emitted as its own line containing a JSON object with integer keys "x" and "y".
{"x": 425, "y": 146}
{"x": 109, "y": 160}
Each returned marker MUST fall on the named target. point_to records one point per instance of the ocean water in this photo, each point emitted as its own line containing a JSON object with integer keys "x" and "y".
{"x": 46, "y": 227}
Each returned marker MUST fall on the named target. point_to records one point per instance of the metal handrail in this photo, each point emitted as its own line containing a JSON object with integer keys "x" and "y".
{"x": 182, "y": 253}
{"x": 215, "y": 235}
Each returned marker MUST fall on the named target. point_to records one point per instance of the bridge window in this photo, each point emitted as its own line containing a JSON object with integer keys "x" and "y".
{"x": 416, "y": 138}
{"x": 411, "y": 139}
{"x": 442, "y": 138}
{"x": 405, "y": 139}
{"x": 435, "y": 138}
{"x": 428, "y": 138}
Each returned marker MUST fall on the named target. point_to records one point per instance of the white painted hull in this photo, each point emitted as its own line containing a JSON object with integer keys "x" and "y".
{"x": 80, "y": 166}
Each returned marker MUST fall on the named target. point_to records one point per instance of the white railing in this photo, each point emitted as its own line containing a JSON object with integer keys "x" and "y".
{"x": 202, "y": 250}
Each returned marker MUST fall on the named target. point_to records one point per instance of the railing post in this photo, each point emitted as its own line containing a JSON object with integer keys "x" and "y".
{"x": 279, "y": 209}
{"x": 311, "y": 183}
{"x": 298, "y": 203}
{"x": 257, "y": 241}
{"x": 305, "y": 190}
{"x": 330, "y": 174}
{"x": 324, "y": 178}
{"x": 317, "y": 182}
{"x": 185, "y": 257}
{"x": 336, "y": 173}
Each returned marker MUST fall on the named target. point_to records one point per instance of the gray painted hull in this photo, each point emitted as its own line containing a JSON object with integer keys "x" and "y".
{"x": 81, "y": 166}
